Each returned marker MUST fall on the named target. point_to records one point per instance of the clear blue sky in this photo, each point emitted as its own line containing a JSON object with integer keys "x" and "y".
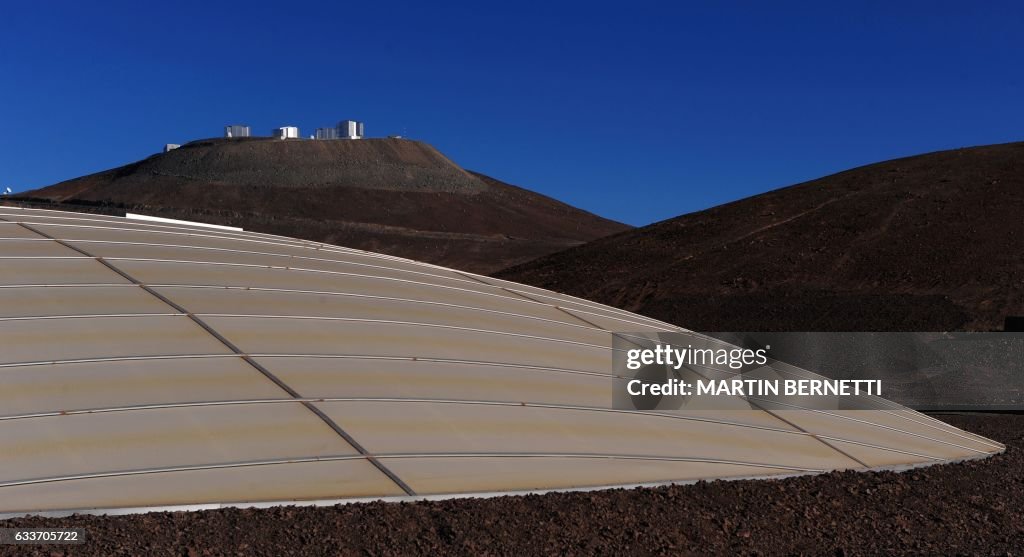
{"x": 636, "y": 111}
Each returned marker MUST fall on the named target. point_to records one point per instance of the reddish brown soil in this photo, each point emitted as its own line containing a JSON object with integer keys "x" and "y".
{"x": 964, "y": 508}
{"x": 393, "y": 196}
{"x": 927, "y": 243}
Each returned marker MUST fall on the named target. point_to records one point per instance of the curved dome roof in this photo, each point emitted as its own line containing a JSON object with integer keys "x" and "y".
{"x": 149, "y": 365}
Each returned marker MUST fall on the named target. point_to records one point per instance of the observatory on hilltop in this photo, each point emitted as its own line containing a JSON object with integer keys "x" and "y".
{"x": 236, "y": 130}
{"x": 286, "y": 132}
{"x": 350, "y": 129}
{"x": 326, "y": 133}
{"x": 346, "y": 129}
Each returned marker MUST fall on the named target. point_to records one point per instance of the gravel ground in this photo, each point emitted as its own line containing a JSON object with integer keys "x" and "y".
{"x": 966, "y": 508}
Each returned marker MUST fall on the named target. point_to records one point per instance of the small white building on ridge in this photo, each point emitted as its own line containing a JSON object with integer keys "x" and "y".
{"x": 237, "y": 130}
{"x": 350, "y": 129}
{"x": 286, "y": 132}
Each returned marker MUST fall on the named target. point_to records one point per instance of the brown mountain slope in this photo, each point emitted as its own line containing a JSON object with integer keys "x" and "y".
{"x": 393, "y": 196}
{"x": 931, "y": 242}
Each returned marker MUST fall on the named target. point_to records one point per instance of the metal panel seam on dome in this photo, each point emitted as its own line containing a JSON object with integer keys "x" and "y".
{"x": 267, "y": 373}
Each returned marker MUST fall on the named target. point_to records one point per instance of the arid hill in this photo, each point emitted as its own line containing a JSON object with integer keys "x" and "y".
{"x": 394, "y": 196}
{"x": 929, "y": 243}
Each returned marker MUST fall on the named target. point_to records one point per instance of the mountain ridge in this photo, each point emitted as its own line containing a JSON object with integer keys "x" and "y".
{"x": 928, "y": 242}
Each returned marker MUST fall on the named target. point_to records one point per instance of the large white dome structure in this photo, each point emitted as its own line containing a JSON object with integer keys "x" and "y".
{"x": 149, "y": 365}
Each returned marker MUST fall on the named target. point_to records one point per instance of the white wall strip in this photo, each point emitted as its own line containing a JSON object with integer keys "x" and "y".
{"x": 185, "y": 222}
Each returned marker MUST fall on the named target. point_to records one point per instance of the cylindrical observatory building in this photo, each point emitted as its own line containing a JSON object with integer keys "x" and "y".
{"x": 147, "y": 365}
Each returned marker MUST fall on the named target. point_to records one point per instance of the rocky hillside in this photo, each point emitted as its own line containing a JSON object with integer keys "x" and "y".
{"x": 394, "y": 196}
{"x": 929, "y": 243}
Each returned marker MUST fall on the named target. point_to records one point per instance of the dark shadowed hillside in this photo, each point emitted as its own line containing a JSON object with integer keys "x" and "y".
{"x": 931, "y": 242}
{"x": 393, "y": 196}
